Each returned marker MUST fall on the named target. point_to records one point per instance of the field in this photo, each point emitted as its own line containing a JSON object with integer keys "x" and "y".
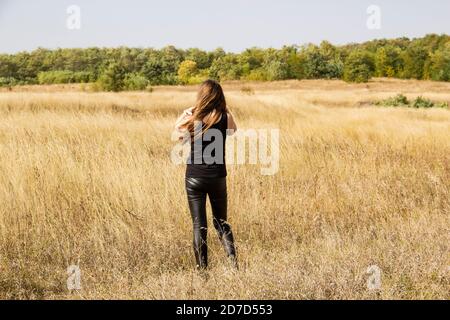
{"x": 86, "y": 179}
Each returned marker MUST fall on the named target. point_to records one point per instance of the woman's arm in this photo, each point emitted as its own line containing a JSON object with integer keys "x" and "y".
{"x": 183, "y": 118}
{"x": 181, "y": 121}
{"x": 232, "y": 127}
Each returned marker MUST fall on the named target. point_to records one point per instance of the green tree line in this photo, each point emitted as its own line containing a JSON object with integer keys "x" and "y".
{"x": 126, "y": 68}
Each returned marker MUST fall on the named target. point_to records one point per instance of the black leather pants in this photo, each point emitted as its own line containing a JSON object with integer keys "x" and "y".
{"x": 216, "y": 189}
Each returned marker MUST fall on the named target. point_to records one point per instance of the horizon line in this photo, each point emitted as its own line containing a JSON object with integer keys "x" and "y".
{"x": 226, "y": 51}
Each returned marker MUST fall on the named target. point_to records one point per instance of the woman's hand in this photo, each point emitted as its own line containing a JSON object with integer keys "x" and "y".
{"x": 181, "y": 121}
{"x": 188, "y": 111}
{"x": 185, "y": 116}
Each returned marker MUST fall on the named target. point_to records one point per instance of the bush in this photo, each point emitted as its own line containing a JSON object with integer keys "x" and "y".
{"x": 64, "y": 76}
{"x": 441, "y": 105}
{"x": 422, "y": 103}
{"x": 112, "y": 79}
{"x": 135, "y": 81}
{"x": 257, "y": 75}
{"x": 7, "y": 81}
{"x": 401, "y": 101}
{"x": 397, "y": 101}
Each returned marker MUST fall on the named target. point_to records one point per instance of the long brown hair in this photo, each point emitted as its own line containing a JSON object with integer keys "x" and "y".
{"x": 209, "y": 107}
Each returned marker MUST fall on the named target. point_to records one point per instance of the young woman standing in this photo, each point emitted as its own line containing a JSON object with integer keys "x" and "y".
{"x": 207, "y": 125}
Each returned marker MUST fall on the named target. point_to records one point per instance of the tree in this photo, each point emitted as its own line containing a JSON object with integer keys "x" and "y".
{"x": 162, "y": 66}
{"x": 154, "y": 71}
{"x": 135, "y": 81}
{"x": 277, "y": 70}
{"x": 440, "y": 64}
{"x": 388, "y": 62}
{"x": 216, "y": 54}
{"x": 226, "y": 68}
{"x": 7, "y": 66}
{"x": 200, "y": 57}
{"x": 414, "y": 59}
{"x": 171, "y": 57}
{"x": 322, "y": 62}
{"x": 359, "y": 66}
{"x": 314, "y": 62}
{"x": 112, "y": 79}
{"x": 422, "y": 58}
{"x": 295, "y": 62}
{"x": 187, "y": 70}
{"x": 252, "y": 59}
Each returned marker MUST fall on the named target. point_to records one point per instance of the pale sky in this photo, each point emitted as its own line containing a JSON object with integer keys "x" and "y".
{"x": 231, "y": 24}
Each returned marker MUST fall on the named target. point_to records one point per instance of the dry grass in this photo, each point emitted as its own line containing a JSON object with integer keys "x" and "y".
{"x": 86, "y": 178}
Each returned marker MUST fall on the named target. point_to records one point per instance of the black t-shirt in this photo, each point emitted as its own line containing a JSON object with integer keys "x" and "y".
{"x": 207, "y": 157}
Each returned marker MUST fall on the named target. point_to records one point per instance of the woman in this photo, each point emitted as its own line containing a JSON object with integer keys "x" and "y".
{"x": 207, "y": 125}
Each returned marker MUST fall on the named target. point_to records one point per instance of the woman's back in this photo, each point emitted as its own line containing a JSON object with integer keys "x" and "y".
{"x": 207, "y": 156}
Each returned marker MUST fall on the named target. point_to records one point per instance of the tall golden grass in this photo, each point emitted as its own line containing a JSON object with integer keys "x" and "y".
{"x": 86, "y": 179}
